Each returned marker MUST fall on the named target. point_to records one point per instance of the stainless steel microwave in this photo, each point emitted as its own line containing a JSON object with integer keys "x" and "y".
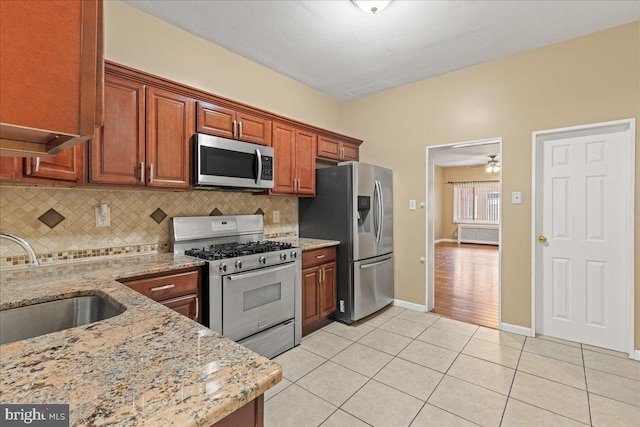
{"x": 227, "y": 163}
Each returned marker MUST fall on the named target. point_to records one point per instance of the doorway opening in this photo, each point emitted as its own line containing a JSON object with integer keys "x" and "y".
{"x": 464, "y": 211}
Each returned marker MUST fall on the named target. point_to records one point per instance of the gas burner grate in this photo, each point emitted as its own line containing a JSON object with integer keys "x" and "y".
{"x": 234, "y": 250}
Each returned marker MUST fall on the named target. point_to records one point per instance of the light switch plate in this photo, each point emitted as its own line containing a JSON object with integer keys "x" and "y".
{"x": 516, "y": 198}
{"x": 412, "y": 205}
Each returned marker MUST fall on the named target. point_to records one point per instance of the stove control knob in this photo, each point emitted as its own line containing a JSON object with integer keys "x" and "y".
{"x": 294, "y": 254}
{"x": 238, "y": 264}
{"x": 283, "y": 256}
{"x": 262, "y": 260}
{"x": 223, "y": 267}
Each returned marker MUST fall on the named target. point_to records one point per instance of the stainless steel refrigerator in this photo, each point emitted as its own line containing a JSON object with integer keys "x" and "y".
{"x": 354, "y": 204}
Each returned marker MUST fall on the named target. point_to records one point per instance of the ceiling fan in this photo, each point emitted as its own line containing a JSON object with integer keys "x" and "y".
{"x": 492, "y": 165}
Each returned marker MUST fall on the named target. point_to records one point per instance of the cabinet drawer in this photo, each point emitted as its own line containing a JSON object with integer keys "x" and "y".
{"x": 165, "y": 287}
{"x": 318, "y": 256}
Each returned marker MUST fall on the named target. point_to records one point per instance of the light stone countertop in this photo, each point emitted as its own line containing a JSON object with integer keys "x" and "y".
{"x": 306, "y": 243}
{"x": 147, "y": 366}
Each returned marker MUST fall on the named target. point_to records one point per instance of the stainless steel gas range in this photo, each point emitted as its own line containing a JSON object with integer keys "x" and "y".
{"x": 253, "y": 288}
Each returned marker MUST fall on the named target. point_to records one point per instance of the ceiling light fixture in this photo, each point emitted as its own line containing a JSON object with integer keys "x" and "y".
{"x": 371, "y": 6}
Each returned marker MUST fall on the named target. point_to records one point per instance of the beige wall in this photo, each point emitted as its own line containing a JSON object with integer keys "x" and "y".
{"x": 141, "y": 41}
{"x": 443, "y": 226}
{"x": 586, "y": 80}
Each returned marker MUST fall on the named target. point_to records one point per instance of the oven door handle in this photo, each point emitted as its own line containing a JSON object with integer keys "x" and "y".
{"x": 259, "y": 160}
{"x": 259, "y": 272}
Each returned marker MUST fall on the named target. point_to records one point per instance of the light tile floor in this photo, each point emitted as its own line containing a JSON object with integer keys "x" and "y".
{"x": 405, "y": 368}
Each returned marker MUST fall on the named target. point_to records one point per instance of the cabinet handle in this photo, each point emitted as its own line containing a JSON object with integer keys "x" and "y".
{"x": 240, "y": 130}
{"x": 320, "y": 256}
{"x": 197, "y": 308}
{"x": 142, "y": 172}
{"x": 319, "y": 275}
{"x": 323, "y": 274}
{"x": 37, "y": 164}
{"x": 235, "y": 123}
{"x": 150, "y": 173}
{"x": 163, "y": 288}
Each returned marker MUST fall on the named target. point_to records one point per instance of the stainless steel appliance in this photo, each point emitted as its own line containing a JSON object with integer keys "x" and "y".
{"x": 354, "y": 204}
{"x": 226, "y": 163}
{"x": 253, "y": 289}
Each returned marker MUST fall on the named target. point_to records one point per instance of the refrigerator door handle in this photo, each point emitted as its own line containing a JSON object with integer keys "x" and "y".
{"x": 378, "y": 213}
{"x": 381, "y": 221}
{"x": 374, "y": 264}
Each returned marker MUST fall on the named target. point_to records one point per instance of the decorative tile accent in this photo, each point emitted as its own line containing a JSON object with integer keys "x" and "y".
{"x": 259, "y": 212}
{"x": 158, "y": 215}
{"x": 215, "y": 212}
{"x": 51, "y": 218}
{"x": 130, "y": 225}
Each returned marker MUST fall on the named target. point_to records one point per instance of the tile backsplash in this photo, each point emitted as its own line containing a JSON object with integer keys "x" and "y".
{"x": 132, "y": 229}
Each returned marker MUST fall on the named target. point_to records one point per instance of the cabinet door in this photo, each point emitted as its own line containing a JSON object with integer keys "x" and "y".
{"x": 310, "y": 279}
{"x": 186, "y": 305}
{"x": 350, "y": 152}
{"x": 215, "y": 120}
{"x": 306, "y": 162}
{"x": 117, "y": 152}
{"x": 327, "y": 297}
{"x": 254, "y": 129}
{"x": 10, "y": 167}
{"x": 170, "y": 126}
{"x": 66, "y": 166}
{"x": 284, "y": 141}
{"x": 328, "y": 148}
{"x": 48, "y": 77}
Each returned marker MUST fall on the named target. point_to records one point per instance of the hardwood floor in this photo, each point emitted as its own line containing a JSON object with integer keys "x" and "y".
{"x": 466, "y": 282}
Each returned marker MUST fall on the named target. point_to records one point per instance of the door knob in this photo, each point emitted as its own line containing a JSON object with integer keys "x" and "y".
{"x": 542, "y": 239}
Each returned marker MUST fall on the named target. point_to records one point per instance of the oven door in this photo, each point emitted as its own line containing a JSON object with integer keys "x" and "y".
{"x": 222, "y": 162}
{"x": 257, "y": 300}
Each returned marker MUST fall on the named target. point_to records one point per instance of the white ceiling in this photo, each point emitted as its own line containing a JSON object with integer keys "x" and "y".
{"x": 475, "y": 155}
{"x": 334, "y": 47}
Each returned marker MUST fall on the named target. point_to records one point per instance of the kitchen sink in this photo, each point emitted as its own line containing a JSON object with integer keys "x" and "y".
{"x": 44, "y": 318}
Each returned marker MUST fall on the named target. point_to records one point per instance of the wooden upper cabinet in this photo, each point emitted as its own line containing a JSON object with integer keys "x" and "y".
{"x": 66, "y": 166}
{"x": 294, "y": 157}
{"x": 284, "y": 152}
{"x": 170, "y": 126}
{"x": 221, "y": 121}
{"x": 336, "y": 150}
{"x": 10, "y": 168}
{"x": 50, "y": 84}
{"x": 306, "y": 162}
{"x": 117, "y": 152}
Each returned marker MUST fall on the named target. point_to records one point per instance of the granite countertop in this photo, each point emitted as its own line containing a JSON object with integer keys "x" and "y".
{"x": 146, "y": 366}
{"x": 307, "y": 244}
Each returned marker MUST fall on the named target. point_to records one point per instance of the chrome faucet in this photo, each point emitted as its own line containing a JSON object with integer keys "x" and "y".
{"x": 33, "y": 260}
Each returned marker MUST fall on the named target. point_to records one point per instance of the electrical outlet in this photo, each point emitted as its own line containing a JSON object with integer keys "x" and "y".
{"x": 276, "y": 217}
{"x": 103, "y": 220}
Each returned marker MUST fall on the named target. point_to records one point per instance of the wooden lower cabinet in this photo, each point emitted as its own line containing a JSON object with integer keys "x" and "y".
{"x": 319, "y": 292}
{"x": 179, "y": 290}
{"x": 250, "y": 415}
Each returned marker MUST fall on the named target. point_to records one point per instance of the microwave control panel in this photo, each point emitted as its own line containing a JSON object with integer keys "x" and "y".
{"x": 267, "y": 167}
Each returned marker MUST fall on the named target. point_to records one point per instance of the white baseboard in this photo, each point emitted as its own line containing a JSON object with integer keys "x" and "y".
{"x": 636, "y": 355}
{"x": 409, "y": 305}
{"x": 445, "y": 240}
{"x": 515, "y": 329}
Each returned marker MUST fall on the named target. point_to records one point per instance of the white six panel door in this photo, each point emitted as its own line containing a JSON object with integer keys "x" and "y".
{"x": 583, "y": 292}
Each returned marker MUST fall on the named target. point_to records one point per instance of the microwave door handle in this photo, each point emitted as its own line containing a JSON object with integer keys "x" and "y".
{"x": 259, "y": 160}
